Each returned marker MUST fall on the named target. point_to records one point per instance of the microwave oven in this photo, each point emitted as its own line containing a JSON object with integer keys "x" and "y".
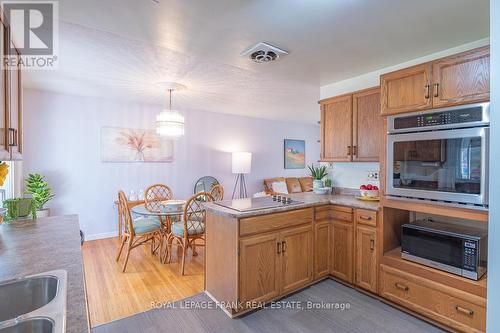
{"x": 440, "y": 155}
{"x": 454, "y": 249}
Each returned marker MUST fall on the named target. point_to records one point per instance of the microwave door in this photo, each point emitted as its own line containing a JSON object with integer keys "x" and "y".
{"x": 447, "y": 165}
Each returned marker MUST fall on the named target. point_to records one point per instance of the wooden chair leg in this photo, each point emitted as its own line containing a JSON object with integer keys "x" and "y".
{"x": 128, "y": 254}
{"x": 184, "y": 250}
{"x": 121, "y": 248}
{"x": 193, "y": 246}
{"x": 170, "y": 244}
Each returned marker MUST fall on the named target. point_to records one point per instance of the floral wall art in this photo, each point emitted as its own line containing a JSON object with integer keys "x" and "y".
{"x": 134, "y": 145}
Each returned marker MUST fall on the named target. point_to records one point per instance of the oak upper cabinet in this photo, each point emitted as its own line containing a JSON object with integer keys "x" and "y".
{"x": 297, "y": 258}
{"x": 336, "y": 129}
{"x": 366, "y": 269}
{"x": 321, "y": 249}
{"x": 260, "y": 268}
{"x": 341, "y": 255}
{"x": 406, "y": 90}
{"x": 367, "y": 125}
{"x": 462, "y": 78}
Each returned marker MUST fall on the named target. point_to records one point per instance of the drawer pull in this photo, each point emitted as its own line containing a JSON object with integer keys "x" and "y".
{"x": 283, "y": 246}
{"x": 366, "y": 218}
{"x": 278, "y": 245}
{"x": 372, "y": 244}
{"x": 436, "y": 89}
{"x": 464, "y": 310}
{"x": 427, "y": 91}
{"x": 401, "y": 286}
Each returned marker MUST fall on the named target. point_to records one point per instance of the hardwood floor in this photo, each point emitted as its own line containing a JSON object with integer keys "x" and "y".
{"x": 113, "y": 295}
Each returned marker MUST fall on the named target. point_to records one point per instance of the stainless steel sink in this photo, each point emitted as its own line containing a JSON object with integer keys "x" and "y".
{"x": 34, "y": 325}
{"x": 35, "y": 303}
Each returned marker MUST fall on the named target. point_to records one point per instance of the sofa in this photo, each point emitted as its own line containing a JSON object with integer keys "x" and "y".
{"x": 288, "y": 185}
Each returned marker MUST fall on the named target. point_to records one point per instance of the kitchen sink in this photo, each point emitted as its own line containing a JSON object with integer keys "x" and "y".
{"x": 35, "y": 303}
{"x": 33, "y": 325}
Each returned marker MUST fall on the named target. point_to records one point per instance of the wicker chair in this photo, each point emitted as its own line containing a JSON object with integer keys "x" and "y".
{"x": 192, "y": 226}
{"x": 139, "y": 231}
{"x": 217, "y": 192}
{"x": 155, "y": 195}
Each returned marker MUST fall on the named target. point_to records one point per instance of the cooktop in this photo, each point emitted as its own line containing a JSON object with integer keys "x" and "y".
{"x": 249, "y": 204}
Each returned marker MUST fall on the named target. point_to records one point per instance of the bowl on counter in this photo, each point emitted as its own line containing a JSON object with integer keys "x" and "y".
{"x": 323, "y": 190}
{"x": 369, "y": 193}
{"x": 172, "y": 205}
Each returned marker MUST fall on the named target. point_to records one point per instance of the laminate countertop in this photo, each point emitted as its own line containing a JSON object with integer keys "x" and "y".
{"x": 308, "y": 199}
{"x": 46, "y": 244}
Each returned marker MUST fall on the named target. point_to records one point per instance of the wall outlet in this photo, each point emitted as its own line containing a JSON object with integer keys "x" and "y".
{"x": 372, "y": 175}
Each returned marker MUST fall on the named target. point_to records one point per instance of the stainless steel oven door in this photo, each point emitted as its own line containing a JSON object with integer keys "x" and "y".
{"x": 446, "y": 165}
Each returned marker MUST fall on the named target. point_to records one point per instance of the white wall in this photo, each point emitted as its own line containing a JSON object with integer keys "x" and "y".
{"x": 354, "y": 174}
{"x": 493, "y": 308}
{"x": 62, "y": 142}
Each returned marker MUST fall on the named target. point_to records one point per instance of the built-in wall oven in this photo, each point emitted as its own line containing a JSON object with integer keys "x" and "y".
{"x": 441, "y": 154}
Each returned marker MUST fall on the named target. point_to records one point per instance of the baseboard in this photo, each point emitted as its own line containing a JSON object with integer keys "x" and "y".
{"x": 101, "y": 235}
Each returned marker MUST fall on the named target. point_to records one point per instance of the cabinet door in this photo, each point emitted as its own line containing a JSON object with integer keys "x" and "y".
{"x": 15, "y": 97}
{"x": 259, "y": 268}
{"x": 341, "y": 251}
{"x": 406, "y": 90}
{"x": 4, "y": 101}
{"x": 461, "y": 78}
{"x": 321, "y": 249}
{"x": 336, "y": 128}
{"x": 297, "y": 258}
{"x": 366, "y": 258}
{"x": 367, "y": 125}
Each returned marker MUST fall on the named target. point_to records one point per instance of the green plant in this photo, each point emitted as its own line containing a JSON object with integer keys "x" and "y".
{"x": 19, "y": 207}
{"x": 39, "y": 190}
{"x": 328, "y": 183}
{"x": 318, "y": 173}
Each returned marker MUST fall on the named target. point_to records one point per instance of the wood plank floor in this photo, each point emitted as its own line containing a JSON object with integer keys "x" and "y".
{"x": 113, "y": 295}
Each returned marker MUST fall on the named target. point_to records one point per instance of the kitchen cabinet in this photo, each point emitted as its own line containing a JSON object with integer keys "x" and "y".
{"x": 336, "y": 129}
{"x": 366, "y": 265}
{"x": 341, "y": 255}
{"x": 454, "y": 80}
{"x": 321, "y": 249}
{"x": 367, "y": 125}
{"x": 351, "y": 127}
{"x": 11, "y": 101}
{"x": 462, "y": 78}
{"x": 297, "y": 259}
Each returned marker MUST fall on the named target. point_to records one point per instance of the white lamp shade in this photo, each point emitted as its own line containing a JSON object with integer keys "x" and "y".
{"x": 170, "y": 123}
{"x": 241, "y": 162}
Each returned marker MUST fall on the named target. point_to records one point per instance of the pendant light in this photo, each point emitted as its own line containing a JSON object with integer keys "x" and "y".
{"x": 170, "y": 123}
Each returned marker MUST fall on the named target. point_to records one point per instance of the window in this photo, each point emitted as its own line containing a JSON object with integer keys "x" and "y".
{"x": 7, "y": 189}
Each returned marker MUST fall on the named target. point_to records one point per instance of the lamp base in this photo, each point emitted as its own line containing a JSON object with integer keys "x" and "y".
{"x": 243, "y": 187}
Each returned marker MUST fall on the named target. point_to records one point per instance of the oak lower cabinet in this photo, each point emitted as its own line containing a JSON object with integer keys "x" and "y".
{"x": 366, "y": 263}
{"x": 275, "y": 264}
{"x": 322, "y": 245}
{"x": 341, "y": 254}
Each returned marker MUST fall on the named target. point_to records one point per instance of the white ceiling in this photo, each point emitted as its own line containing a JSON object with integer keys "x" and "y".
{"x": 122, "y": 48}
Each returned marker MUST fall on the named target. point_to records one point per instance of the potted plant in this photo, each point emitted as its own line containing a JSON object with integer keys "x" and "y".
{"x": 318, "y": 173}
{"x": 38, "y": 188}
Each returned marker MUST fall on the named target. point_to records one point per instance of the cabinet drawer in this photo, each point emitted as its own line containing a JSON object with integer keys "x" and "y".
{"x": 366, "y": 217}
{"x": 270, "y": 222}
{"x": 322, "y": 213}
{"x": 444, "y": 304}
{"x": 344, "y": 215}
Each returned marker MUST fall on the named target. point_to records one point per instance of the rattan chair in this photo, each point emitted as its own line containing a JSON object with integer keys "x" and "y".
{"x": 139, "y": 231}
{"x": 192, "y": 226}
{"x": 155, "y": 195}
{"x": 217, "y": 192}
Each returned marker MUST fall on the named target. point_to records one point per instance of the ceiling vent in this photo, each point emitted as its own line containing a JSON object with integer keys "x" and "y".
{"x": 263, "y": 52}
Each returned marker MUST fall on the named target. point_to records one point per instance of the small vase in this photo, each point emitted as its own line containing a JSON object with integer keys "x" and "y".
{"x": 317, "y": 183}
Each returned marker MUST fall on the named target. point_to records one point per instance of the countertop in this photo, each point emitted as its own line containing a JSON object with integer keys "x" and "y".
{"x": 308, "y": 199}
{"x": 36, "y": 246}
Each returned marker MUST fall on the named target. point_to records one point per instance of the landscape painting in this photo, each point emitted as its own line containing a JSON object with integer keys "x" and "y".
{"x": 295, "y": 154}
{"x": 134, "y": 145}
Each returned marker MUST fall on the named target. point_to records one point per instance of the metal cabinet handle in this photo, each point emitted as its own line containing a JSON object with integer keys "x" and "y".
{"x": 349, "y": 150}
{"x": 427, "y": 91}
{"x": 283, "y": 246}
{"x": 355, "y": 150}
{"x": 436, "y": 89}
{"x": 401, "y": 286}
{"x": 367, "y": 218}
{"x": 372, "y": 244}
{"x": 12, "y": 137}
{"x": 464, "y": 310}
{"x": 278, "y": 245}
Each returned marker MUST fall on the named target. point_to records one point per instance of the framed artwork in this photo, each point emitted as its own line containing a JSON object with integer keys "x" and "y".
{"x": 295, "y": 154}
{"x": 134, "y": 145}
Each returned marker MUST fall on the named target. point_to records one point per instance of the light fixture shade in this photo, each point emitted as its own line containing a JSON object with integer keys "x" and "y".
{"x": 170, "y": 123}
{"x": 241, "y": 162}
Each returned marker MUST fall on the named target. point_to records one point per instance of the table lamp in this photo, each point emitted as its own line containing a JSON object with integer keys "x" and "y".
{"x": 241, "y": 165}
